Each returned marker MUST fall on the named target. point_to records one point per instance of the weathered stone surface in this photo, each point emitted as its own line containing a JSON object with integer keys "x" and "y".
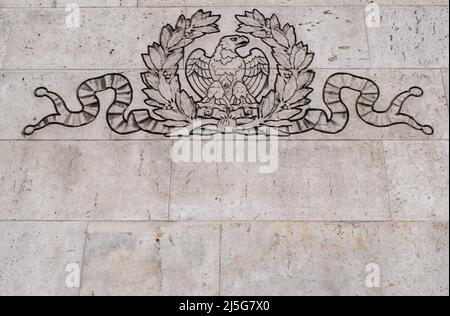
{"x": 151, "y": 3}
{"x": 277, "y": 3}
{"x": 331, "y": 258}
{"x": 418, "y": 179}
{"x": 118, "y": 210}
{"x": 314, "y": 181}
{"x": 445, "y": 76}
{"x": 34, "y": 257}
{"x": 84, "y": 180}
{"x": 152, "y": 259}
{"x": 410, "y": 37}
{"x": 6, "y": 20}
{"x": 232, "y": 3}
{"x": 102, "y": 42}
{"x": 64, "y": 3}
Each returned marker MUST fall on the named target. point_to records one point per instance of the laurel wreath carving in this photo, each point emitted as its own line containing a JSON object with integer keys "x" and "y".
{"x": 167, "y": 102}
{"x": 289, "y": 101}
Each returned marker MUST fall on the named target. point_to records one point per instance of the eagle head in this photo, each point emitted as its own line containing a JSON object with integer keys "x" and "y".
{"x": 233, "y": 42}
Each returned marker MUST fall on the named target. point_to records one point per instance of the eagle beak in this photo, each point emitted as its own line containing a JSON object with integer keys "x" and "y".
{"x": 243, "y": 42}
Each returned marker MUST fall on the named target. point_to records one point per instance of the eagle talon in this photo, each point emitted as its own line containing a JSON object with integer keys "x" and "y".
{"x": 241, "y": 94}
{"x": 213, "y": 105}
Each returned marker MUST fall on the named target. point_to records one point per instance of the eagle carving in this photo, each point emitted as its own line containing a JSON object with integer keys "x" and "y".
{"x": 228, "y": 83}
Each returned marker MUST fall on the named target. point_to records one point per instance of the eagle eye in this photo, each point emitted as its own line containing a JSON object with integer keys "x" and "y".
{"x": 234, "y": 39}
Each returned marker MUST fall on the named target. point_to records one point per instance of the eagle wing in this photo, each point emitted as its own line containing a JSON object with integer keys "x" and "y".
{"x": 256, "y": 76}
{"x": 198, "y": 72}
